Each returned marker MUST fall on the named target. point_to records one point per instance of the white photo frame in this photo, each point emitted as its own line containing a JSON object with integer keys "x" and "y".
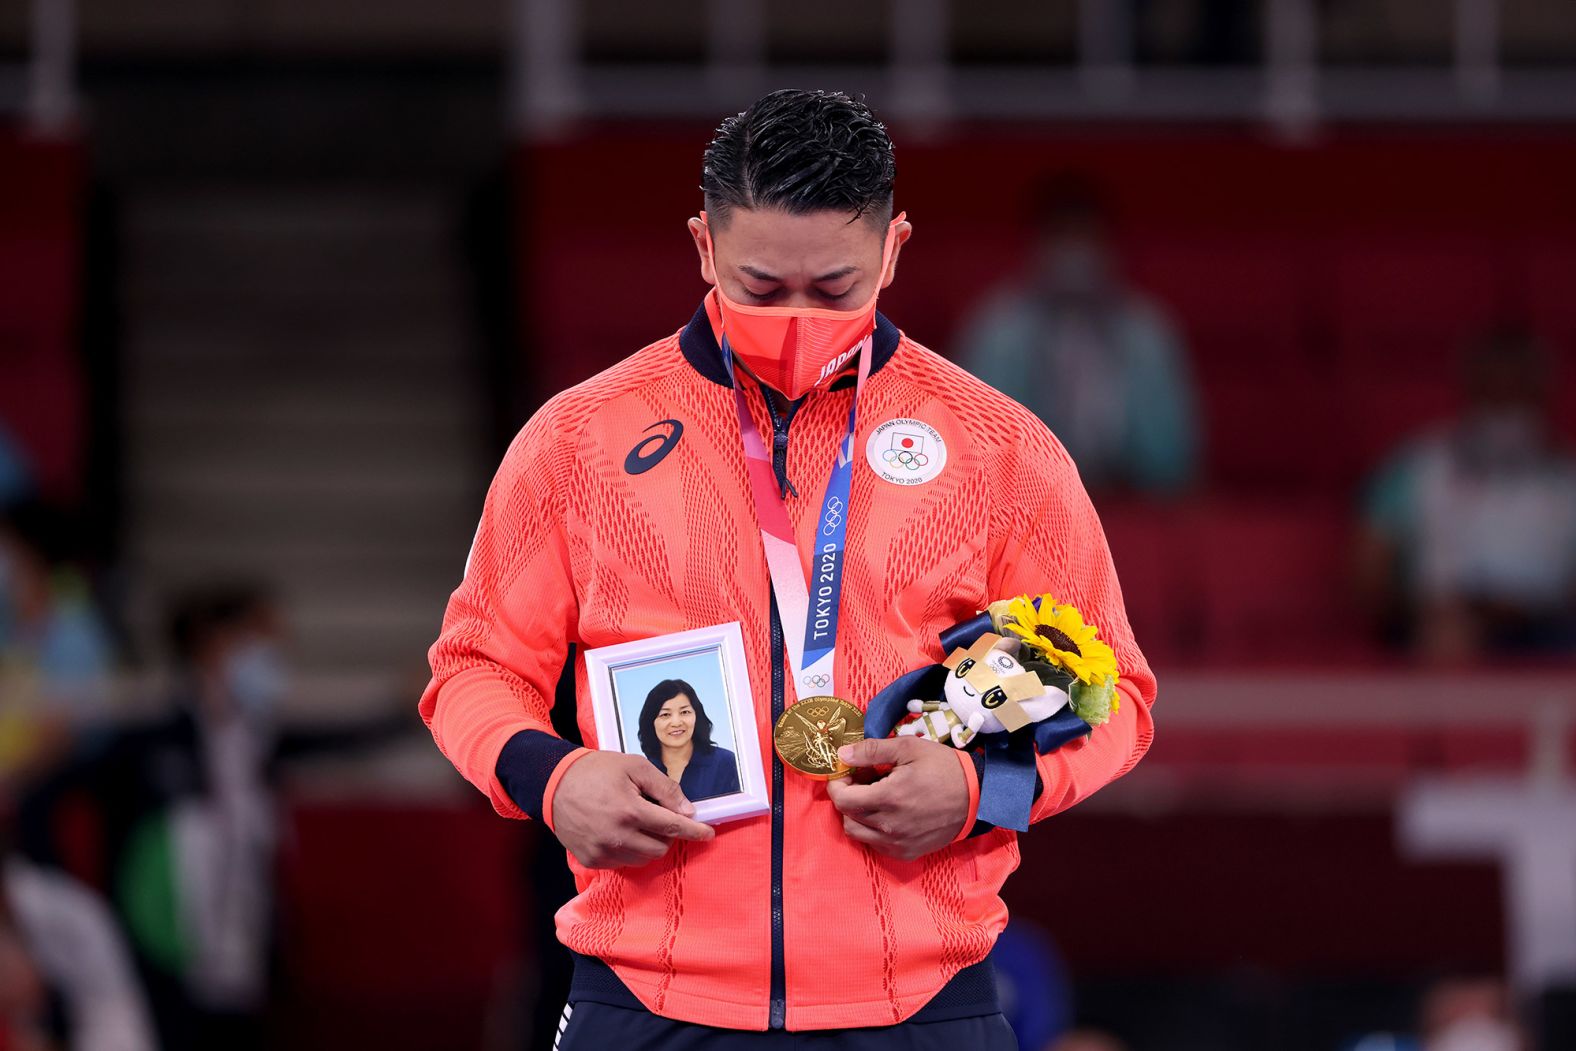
{"x": 624, "y": 682}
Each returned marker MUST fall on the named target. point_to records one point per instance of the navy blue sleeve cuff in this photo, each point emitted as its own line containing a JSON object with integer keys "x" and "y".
{"x": 525, "y": 765}
{"x": 982, "y": 827}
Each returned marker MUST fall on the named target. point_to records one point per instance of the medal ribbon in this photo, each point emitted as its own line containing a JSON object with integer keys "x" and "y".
{"x": 809, "y": 609}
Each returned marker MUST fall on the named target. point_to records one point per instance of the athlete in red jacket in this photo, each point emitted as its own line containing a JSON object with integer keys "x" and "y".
{"x": 625, "y": 509}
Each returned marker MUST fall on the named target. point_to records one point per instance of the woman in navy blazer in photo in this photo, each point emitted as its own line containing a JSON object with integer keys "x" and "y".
{"x": 675, "y": 734}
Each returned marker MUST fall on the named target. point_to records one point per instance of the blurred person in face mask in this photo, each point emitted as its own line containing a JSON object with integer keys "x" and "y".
{"x": 1469, "y": 541}
{"x": 1097, "y": 361}
{"x": 187, "y": 810}
{"x": 189, "y": 813}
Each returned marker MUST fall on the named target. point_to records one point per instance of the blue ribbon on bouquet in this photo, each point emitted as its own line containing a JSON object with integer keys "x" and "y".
{"x": 1007, "y": 789}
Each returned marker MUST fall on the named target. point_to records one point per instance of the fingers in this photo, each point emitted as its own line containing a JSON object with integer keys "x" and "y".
{"x": 877, "y": 840}
{"x": 669, "y": 814}
{"x": 863, "y": 833}
{"x": 641, "y": 834}
{"x": 859, "y": 804}
{"x": 658, "y": 821}
{"x": 628, "y": 848}
{"x": 638, "y": 848}
{"x": 858, "y": 801}
{"x": 609, "y": 819}
{"x": 877, "y": 752}
{"x": 834, "y": 791}
{"x": 659, "y": 787}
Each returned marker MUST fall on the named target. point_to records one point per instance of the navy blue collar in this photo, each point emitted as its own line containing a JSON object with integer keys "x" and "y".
{"x": 700, "y": 349}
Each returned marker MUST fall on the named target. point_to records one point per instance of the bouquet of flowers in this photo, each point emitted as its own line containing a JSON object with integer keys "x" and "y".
{"x": 1040, "y": 658}
{"x": 1025, "y": 676}
{"x": 1064, "y": 652}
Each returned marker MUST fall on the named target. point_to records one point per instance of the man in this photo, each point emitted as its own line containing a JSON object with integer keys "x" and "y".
{"x": 1468, "y": 548}
{"x": 1097, "y": 361}
{"x": 188, "y": 810}
{"x": 56, "y": 654}
{"x": 645, "y": 501}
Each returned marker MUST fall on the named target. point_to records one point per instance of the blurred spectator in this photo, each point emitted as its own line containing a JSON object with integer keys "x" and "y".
{"x": 188, "y": 810}
{"x": 1469, "y": 1014}
{"x": 1036, "y": 994}
{"x": 188, "y": 823}
{"x": 1469, "y": 544}
{"x": 26, "y": 1012}
{"x": 16, "y": 476}
{"x": 55, "y": 653}
{"x": 1457, "y": 1014}
{"x": 58, "y": 933}
{"x": 1087, "y": 1040}
{"x": 1096, "y": 360}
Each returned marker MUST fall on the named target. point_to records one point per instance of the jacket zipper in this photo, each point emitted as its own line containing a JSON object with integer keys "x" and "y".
{"x": 778, "y": 1014}
{"x": 779, "y": 1009}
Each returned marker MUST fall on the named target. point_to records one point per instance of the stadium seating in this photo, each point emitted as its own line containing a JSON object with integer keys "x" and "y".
{"x": 41, "y": 399}
{"x": 1325, "y": 292}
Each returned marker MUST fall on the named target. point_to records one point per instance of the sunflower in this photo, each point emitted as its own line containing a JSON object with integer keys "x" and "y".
{"x": 1059, "y": 635}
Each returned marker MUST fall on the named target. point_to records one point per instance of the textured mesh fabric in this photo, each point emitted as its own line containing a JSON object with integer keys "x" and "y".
{"x": 572, "y": 548}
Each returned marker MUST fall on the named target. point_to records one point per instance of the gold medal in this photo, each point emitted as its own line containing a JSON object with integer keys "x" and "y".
{"x": 810, "y": 732}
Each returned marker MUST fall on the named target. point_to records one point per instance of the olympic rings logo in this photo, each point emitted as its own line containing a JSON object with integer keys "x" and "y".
{"x": 818, "y": 682}
{"x": 903, "y": 458}
{"x": 833, "y": 517}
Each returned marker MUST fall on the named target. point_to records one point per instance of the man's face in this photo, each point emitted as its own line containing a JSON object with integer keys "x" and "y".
{"x": 1510, "y": 377}
{"x": 767, "y": 257}
{"x": 1073, "y": 257}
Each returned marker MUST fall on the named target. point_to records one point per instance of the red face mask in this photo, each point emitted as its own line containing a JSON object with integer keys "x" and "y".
{"x": 796, "y": 349}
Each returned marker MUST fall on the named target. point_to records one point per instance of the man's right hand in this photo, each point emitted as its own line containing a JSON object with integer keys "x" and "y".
{"x": 612, "y": 809}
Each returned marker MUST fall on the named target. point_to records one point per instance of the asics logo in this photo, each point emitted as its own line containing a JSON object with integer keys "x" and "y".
{"x": 651, "y": 450}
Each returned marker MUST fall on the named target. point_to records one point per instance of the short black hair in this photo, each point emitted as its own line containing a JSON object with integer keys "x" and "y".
{"x": 195, "y": 617}
{"x": 801, "y": 151}
{"x": 1070, "y": 197}
{"x": 661, "y": 694}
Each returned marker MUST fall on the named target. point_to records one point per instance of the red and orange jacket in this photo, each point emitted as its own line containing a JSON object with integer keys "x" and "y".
{"x": 782, "y": 919}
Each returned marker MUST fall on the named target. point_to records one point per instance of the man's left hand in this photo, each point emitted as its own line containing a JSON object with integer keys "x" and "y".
{"x": 917, "y": 808}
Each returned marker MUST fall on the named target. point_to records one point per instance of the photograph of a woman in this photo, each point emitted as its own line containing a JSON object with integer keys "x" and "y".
{"x": 675, "y": 734}
{"x": 683, "y": 701}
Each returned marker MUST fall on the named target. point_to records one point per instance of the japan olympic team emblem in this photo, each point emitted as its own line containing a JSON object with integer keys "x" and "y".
{"x": 906, "y": 452}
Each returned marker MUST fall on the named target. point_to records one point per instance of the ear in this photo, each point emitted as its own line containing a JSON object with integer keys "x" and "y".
{"x": 902, "y": 231}
{"x": 1010, "y": 645}
{"x": 701, "y": 232}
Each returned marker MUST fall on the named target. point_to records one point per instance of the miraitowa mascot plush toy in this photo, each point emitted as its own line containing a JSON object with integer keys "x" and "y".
{"x": 1022, "y": 678}
{"x": 987, "y": 691}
